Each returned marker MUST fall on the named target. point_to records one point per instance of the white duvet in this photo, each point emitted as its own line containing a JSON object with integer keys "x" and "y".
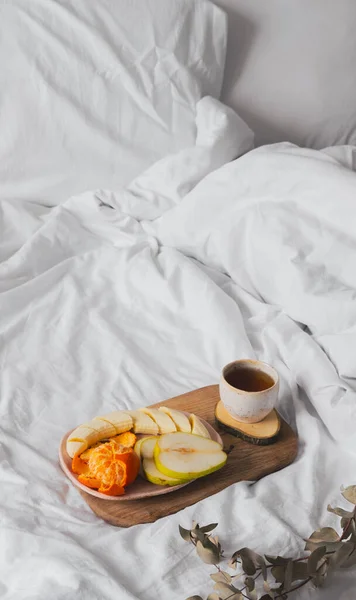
{"x": 121, "y": 299}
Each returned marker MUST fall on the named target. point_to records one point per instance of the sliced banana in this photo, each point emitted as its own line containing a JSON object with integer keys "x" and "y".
{"x": 164, "y": 422}
{"x": 142, "y": 423}
{"x": 76, "y": 447}
{"x": 180, "y": 420}
{"x": 120, "y": 419}
{"x": 80, "y": 439}
{"x": 103, "y": 428}
{"x": 197, "y": 427}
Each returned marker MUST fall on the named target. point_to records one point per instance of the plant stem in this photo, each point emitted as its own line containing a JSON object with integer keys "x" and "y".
{"x": 347, "y": 526}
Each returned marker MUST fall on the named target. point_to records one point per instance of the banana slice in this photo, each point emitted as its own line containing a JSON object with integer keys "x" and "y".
{"x": 164, "y": 422}
{"x": 180, "y": 420}
{"x": 103, "y": 428}
{"x": 80, "y": 439}
{"x": 197, "y": 427}
{"x": 120, "y": 419}
{"x": 142, "y": 423}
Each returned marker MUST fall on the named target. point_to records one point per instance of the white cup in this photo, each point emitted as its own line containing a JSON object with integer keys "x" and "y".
{"x": 261, "y": 383}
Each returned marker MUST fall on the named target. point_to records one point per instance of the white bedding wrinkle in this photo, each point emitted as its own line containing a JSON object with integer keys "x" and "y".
{"x": 111, "y": 301}
{"x": 93, "y": 93}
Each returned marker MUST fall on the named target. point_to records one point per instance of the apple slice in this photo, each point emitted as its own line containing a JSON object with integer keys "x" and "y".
{"x": 187, "y": 456}
{"x": 197, "y": 427}
{"x": 153, "y": 475}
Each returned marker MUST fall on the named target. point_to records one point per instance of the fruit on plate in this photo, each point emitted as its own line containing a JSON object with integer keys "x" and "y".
{"x": 80, "y": 439}
{"x": 142, "y": 423}
{"x": 138, "y": 445}
{"x": 197, "y": 426}
{"x": 164, "y": 421}
{"x": 100, "y": 428}
{"x": 153, "y": 475}
{"x": 180, "y": 420}
{"x": 109, "y": 467}
{"x": 120, "y": 419}
{"x": 149, "y": 469}
{"x": 148, "y": 446}
{"x": 187, "y": 456}
{"x": 127, "y": 440}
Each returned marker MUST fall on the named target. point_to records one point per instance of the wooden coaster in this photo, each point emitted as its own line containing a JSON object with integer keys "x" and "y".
{"x": 262, "y": 433}
{"x": 246, "y": 462}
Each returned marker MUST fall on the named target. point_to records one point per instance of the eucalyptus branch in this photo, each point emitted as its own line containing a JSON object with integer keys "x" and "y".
{"x": 326, "y": 549}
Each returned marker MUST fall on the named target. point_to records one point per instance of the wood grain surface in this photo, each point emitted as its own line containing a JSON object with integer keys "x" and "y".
{"x": 246, "y": 462}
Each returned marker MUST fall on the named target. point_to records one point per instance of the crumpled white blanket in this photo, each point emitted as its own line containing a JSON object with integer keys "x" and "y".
{"x": 116, "y": 300}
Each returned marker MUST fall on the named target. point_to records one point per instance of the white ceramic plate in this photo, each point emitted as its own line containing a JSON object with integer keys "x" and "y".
{"x": 140, "y": 488}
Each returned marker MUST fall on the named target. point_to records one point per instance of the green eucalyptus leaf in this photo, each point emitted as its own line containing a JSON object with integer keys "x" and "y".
{"x": 250, "y": 583}
{"x": 266, "y": 597}
{"x": 250, "y": 560}
{"x": 340, "y": 512}
{"x": 288, "y": 576}
{"x": 266, "y": 586}
{"x": 232, "y": 563}
{"x": 208, "y": 528}
{"x": 350, "y": 561}
{"x": 221, "y": 576}
{"x": 225, "y": 590}
{"x": 342, "y": 554}
{"x": 197, "y": 534}
{"x": 185, "y": 534}
{"x": 300, "y": 571}
{"x": 325, "y": 534}
{"x": 314, "y": 559}
{"x": 350, "y": 493}
{"x": 330, "y": 546}
{"x": 319, "y": 578}
{"x": 210, "y": 556}
{"x": 278, "y": 572}
{"x": 276, "y": 560}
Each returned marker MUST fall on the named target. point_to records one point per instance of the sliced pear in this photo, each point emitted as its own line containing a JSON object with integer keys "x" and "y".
{"x": 148, "y": 446}
{"x": 164, "y": 422}
{"x": 153, "y": 475}
{"x": 142, "y": 423}
{"x": 187, "y": 456}
{"x": 137, "y": 447}
{"x": 180, "y": 420}
{"x": 197, "y": 427}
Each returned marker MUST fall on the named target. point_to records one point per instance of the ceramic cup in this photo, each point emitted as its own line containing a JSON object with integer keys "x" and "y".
{"x": 249, "y": 389}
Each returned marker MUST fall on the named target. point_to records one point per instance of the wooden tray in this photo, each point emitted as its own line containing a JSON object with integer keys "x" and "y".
{"x": 246, "y": 462}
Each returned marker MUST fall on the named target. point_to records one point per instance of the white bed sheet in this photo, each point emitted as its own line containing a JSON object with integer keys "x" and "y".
{"x": 104, "y": 308}
{"x": 92, "y": 93}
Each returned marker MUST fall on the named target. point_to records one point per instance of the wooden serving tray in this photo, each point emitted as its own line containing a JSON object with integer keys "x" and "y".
{"x": 246, "y": 462}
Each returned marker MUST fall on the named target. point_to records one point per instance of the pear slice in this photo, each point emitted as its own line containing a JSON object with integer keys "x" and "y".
{"x": 153, "y": 475}
{"x": 180, "y": 420}
{"x": 148, "y": 446}
{"x": 197, "y": 426}
{"x": 164, "y": 422}
{"x": 187, "y": 456}
{"x": 137, "y": 446}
